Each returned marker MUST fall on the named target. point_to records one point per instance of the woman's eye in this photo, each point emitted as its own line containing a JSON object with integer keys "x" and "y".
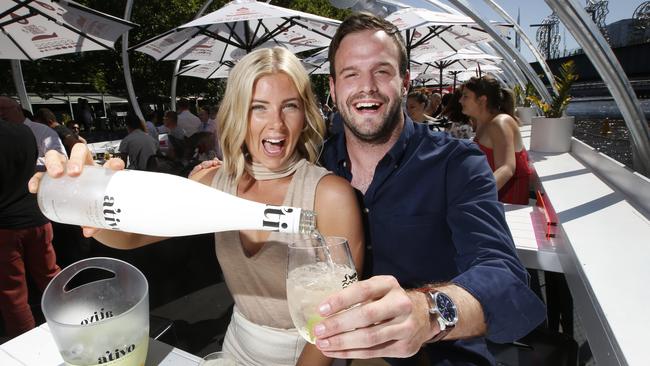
{"x": 291, "y": 106}
{"x": 257, "y": 108}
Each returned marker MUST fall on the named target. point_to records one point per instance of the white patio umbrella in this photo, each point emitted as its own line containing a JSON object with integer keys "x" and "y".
{"x": 35, "y": 29}
{"x": 427, "y": 31}
{"x": 238, "y": 28}
{"x": 207, "y": 69}
{"x": 464, "y": 54}
{"x": 464, "y": 59}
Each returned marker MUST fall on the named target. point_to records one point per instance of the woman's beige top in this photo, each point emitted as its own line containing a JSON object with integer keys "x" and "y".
{"x": 258, "y": 283}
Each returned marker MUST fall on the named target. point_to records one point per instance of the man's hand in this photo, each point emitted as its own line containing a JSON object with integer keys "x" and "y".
{"x": 205, "y": 165}
{"x": 389, "y": 322}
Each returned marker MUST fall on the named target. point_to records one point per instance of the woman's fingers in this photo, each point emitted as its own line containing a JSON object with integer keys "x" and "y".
{"x": 114, "y": 164}
{"x": 55, "y": 163}
{"x": 79, "y": 156}
{"x": 34, "y": 182}
{"x": 89, "y": 231}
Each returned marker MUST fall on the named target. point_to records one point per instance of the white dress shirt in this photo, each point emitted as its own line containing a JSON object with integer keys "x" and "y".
{"x": 189, "y": 123}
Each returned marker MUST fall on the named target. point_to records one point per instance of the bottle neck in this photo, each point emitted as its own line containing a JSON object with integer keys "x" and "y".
{"x": 307, "y": 222}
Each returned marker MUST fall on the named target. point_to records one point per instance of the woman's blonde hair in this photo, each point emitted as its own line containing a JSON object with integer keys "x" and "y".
{"x": 236, "y": 104}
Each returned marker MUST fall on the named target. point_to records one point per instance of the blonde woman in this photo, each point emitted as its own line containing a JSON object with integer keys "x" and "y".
{"x": 271, "y": 132}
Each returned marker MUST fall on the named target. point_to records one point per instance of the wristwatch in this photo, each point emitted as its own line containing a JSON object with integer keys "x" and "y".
{"x": 443, "y": 310}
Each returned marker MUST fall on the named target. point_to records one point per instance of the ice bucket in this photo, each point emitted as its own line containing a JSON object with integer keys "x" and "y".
{"x": 101, "y": 322}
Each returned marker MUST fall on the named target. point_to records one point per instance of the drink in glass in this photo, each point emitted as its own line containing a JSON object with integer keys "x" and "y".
{"x": 315, "y": 271}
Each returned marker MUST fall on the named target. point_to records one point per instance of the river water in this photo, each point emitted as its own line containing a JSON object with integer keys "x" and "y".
{"x": 599, "y": 124}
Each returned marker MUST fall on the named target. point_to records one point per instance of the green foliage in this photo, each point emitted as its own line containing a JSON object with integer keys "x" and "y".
{"x": 521, "y": 95}
{"x": 563, "y": 84}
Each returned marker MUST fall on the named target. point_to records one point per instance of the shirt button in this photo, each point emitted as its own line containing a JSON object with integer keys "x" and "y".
{"x": 345, "y": 164}
{"x": 366, "y": 210}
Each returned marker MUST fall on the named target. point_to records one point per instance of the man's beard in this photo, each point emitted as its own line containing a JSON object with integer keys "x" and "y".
{"x": 387, "y": 124}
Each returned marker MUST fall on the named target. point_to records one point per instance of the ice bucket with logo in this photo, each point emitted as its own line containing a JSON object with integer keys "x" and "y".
{"x": 104, "y": 321}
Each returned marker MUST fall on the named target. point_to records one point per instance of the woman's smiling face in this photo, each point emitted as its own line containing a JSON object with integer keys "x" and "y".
{"x": 275, "y": 120}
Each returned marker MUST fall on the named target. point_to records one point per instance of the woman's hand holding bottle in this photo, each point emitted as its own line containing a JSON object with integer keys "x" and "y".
{"x": 58, "y": 165}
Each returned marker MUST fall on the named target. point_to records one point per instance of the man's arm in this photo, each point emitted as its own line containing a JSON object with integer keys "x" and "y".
{"x": 491, "y": 291}
{"x": 489, "y": 268}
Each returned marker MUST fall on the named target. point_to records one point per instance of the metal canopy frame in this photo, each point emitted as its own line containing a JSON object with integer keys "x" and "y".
{"x": 510, "y": 52}
{"x": 526, "y": 40}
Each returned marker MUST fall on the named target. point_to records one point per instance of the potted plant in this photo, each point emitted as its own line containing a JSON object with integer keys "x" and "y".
{"x": 552, "y": 132}
{"x": 524, "y": 111}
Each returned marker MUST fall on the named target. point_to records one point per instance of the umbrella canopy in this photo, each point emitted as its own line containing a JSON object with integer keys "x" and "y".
{"x": 37, "y": 29}
{"x": 462, "y": 60}
{"x": 238, "y": 28}
{"x": 428, "y": 31}
{"x": 465, "y": 54}
{"x": 318, "y": 63}
{"x": 207, "y": 69}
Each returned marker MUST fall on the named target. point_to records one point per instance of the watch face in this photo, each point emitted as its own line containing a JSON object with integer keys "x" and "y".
{"x": 446, "y": 307}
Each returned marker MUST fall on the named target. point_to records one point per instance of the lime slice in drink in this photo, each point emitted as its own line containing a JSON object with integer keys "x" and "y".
{"x": 311, "y": 322}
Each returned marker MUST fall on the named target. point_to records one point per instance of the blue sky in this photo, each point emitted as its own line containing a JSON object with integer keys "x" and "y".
{"x": 533, "y": 11}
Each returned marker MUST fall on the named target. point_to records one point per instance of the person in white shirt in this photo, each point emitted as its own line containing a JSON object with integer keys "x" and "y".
{"x": 207, "y": 124}
{"x": 46, "y": 138}
{"x": 186, "y": 120}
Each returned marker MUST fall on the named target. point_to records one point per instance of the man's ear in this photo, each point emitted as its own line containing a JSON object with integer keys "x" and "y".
{"x": 332, "y": 89}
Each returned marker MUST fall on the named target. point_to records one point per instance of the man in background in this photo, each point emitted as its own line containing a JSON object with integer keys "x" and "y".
{"x": 46, "y": 138}
{"x": 25, "y": 234}
{"x": 186, "y": 120}
{"x": 138, "y": 146}
{"x": 47, "y": 117}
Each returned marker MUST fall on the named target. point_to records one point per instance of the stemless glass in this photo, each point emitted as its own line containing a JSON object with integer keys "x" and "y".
{"x": 219, "y": 359}
{"x": 315, "y": 271}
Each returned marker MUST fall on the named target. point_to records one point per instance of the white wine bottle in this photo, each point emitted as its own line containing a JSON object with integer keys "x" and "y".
{"x": 160, "y": 205}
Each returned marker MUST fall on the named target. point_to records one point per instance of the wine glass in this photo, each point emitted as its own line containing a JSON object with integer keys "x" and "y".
{"x": 316, "y": 270}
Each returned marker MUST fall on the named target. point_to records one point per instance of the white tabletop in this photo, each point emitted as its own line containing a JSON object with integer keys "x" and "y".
{"x": 604, "y": 248}
{"x": 37, "y": 348}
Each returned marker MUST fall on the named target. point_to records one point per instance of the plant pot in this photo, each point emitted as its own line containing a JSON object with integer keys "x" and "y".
{"x": 551, "y": 135}
{"x": 525, "y": 114}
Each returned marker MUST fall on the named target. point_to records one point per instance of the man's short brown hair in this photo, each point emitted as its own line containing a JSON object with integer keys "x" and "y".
{"x": 359, "y": 22}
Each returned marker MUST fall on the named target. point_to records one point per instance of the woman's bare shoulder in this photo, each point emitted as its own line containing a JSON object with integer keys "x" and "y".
{"x": 332, "y": 187}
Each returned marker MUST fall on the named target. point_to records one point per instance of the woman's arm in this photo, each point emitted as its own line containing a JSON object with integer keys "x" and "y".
{"x": 502, "y": 137}
{"x": 337, "y": 214}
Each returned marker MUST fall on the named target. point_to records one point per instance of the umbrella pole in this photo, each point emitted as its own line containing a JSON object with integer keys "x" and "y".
{"x": 177, "y": 66}
{"x": 455, "y": 81}
{"x": 441, "y": 80}
{"x": 19, "y": 83}
{"x": 126, "y": 65}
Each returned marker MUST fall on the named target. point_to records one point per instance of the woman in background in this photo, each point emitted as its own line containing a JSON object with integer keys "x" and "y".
{"x": 497, "y": 134}
{"x": 416, "y": 103}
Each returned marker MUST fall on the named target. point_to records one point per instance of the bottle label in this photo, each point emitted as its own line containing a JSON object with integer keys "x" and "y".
{"x": 111, "y": 213}
{"x": 278, "y": 218}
